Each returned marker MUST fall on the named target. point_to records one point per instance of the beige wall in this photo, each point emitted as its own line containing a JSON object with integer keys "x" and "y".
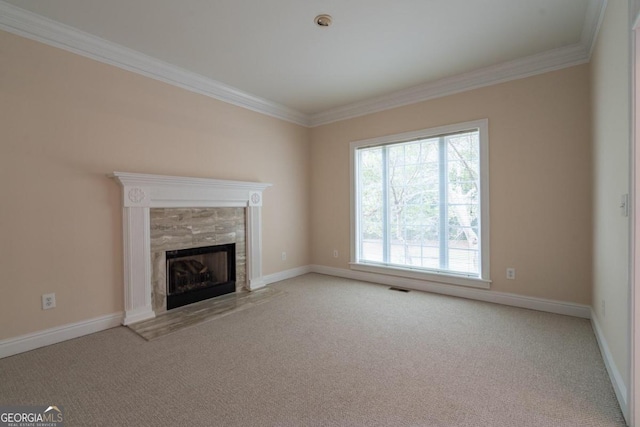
{"x": 540, "y": 178}
{"x": 611, "y": 89}
{"x": 65, "y": 123}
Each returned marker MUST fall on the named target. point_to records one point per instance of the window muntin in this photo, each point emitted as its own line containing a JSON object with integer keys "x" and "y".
{"x": 420, "y": 202}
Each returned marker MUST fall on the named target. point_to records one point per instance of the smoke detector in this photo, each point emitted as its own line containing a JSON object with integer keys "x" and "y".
{"x": 323, "y": 20}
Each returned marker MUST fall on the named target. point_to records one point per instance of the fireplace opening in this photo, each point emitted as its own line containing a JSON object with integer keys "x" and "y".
{"x": 197, "y": 274}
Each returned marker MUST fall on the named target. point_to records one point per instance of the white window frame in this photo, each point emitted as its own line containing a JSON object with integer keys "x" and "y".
{"x": 484, "y": 278}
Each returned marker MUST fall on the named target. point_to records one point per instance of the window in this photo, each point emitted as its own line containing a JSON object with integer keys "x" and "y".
{"x": 420, "y": 204}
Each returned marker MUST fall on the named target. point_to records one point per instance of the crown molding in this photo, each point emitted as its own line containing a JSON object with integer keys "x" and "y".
{"x": 544, "y": 62}
{"x": 517, "y": 69}
{"x": 27, "y": 24}
{"x": 592, "y": 22}
{"x": 33, "y": 26}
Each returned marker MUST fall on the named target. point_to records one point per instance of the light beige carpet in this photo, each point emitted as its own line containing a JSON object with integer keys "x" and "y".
{"x": 330, "y": 352}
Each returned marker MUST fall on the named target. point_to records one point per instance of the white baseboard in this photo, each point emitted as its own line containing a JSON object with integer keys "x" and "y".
{"x": 287, "y": 274}
{"x": 540, "y": 304}
{"x": 23, "y": 343}
{"x": 551, "y": 306}
{"x": 12, "y": 346}
{"x": 35, "y": 340}
{"x": 616, "y": 379}
{"x": 28, "y": 342}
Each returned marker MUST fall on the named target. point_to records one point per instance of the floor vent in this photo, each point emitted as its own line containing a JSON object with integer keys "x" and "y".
{"x": 398, "y": 289}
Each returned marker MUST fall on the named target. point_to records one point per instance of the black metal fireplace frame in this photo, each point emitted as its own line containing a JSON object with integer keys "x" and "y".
{"x": 215, "y": 289}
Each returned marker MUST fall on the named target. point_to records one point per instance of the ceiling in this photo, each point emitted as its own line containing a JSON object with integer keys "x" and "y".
{"x": 270, "y": 56}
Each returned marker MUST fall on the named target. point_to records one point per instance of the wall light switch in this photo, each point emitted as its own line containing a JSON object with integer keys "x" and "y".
{"x": 624, "y": 205}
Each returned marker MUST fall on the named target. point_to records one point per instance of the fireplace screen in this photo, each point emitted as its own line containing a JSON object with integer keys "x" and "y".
{"x": 199, "y": 273}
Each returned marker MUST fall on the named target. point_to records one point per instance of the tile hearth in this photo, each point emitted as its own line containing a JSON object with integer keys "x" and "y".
{"x": 203, "y": 311}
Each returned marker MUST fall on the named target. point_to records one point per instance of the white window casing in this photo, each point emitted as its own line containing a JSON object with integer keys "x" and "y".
{"x": 479, "y": 276}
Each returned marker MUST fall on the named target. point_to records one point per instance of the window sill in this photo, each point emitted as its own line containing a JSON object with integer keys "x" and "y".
{"x": 422, "y": 275}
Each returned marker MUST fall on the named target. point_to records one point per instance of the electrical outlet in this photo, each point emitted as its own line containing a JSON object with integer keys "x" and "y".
{"x": 284, "y": 256}
{"x": 511, "y": 273}
{"x": 335, "y": 253}
{"x": 603, "y": 308}
{"x": 48, "y": 301}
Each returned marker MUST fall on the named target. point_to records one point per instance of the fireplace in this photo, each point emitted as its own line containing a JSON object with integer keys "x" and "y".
{"x": 201, "y": 273}
{"x": 142, "y": 194}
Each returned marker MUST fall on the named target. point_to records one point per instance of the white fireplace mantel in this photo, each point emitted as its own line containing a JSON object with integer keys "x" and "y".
{"x": 140, "y": 192}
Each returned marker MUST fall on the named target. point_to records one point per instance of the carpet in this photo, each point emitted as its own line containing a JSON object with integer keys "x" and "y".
{"x": 330, "y": 352}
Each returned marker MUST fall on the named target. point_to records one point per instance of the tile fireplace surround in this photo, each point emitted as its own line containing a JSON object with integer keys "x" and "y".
{"x": 141, "y": 192}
